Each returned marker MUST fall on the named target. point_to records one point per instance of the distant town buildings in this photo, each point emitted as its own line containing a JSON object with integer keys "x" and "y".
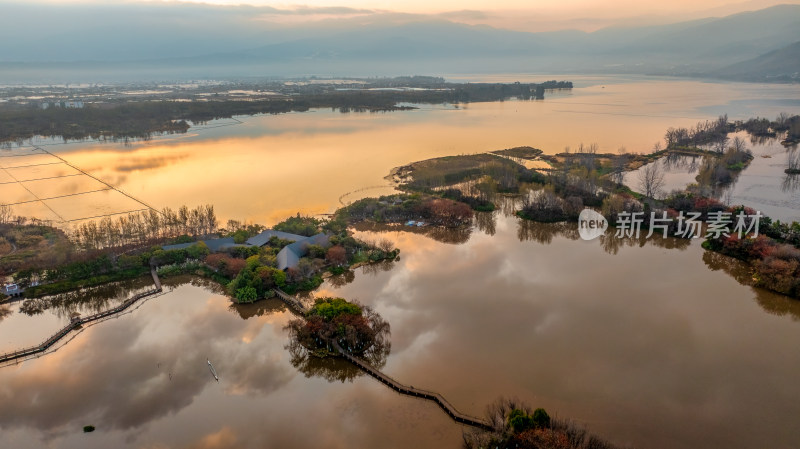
{"x": 11, "y": 290}
{"x": 69, "y": 104}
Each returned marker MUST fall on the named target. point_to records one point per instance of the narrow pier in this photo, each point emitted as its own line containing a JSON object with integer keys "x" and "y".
{"x": 78, "y": 322}
{"x": 451, "y": 411}
{"x": 295, "y": 305}
{"x": 156, "y": 280}
{"x": 411, "y": 391}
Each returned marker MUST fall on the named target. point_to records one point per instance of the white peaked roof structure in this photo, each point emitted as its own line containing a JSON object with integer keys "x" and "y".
{"x": 288, "y": 257}
{"x": 263, "y": 238}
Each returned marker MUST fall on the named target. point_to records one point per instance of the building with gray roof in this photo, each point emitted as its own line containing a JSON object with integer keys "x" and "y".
{"x": 263, "y": 238}
{"x": 214, "y": 245}
{"x": 288, "y": 257}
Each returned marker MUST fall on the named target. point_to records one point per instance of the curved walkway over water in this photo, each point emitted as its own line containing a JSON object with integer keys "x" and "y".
{"x": 451, "y": 411}
{"x": 78, "y": 322}
{"x": 296, "y": 307}
{"x": 411, "y": 391}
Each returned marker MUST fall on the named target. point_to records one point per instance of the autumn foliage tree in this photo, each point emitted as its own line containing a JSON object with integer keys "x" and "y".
{"x": 447, "y": 212}
{"x": 776, "y": 265}
{"x": 385, "y": 245}
{"x": 355, "y": 327}
{"x": 227, "y": 265}
{"x": 780, "y": 270}
{"x": 336, "y": 255}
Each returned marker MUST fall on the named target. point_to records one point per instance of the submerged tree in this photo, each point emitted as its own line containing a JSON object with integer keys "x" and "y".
{"x": 329, "y": 368}
{"x": 793, "y": 162}
{"x": 619, "y": 165}
{"x": 651, "y": 179}
{"x": 356, "y": 328}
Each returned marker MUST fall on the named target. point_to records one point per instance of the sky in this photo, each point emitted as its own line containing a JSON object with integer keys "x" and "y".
{"x": 521, "y": 15}
{"x": 149, "y": 30}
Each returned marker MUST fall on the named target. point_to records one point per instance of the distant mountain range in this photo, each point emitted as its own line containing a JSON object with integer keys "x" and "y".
{"x": 759, "y": 45}
{"x": 778, "y": 65}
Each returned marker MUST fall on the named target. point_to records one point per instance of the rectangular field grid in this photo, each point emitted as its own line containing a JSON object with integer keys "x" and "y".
{"x": 71, "y": 185}
{"x": 90, "y": 205}
{"x": 38, "y": 184}
{"x": 14, "y": 194}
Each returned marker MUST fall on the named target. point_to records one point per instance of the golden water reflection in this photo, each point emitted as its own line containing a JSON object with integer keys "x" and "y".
{"x": 277, "y": 165}
{"x": 634, "y": 339}
{"x": 143, "y": 381}
{"x": 632, "y": 342}
{"x": 639, "y": 340}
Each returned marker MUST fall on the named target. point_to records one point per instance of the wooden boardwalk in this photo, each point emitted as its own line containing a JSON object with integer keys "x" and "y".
{"x": 411, "y": 391}
{"x": 451, "y": 411}
{"x": 295, "y": 305}
{"x": 78, "y": 322}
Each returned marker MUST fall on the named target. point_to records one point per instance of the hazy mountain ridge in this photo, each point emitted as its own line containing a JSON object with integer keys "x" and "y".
{"x": 778, "y": 65}
{"x": 693, "y": 47}
{"x": 734, "y": 37}
{"x": 437, "y": 46}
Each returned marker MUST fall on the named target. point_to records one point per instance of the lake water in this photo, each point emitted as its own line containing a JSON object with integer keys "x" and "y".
{"x": 143, "y": 381}
{"x": 268, "y": 167}
{"x": 655, "y": 344}
{"x": 763, "y": 185}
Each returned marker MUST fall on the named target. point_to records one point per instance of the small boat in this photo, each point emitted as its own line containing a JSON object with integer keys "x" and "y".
{"x": 420, "y": 223}
{"x": 410, "y": 223}
{"x": 213, "y": 371}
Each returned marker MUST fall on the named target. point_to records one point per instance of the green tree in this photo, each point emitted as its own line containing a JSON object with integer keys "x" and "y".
{"x": 316, "y": 251}
{"x": 246, "y": 294}
{"x": 240, "y": 236}
{"x": 306, "y": 226}
{"x": 329, "y": 308}
{"x": 198, "y": 251}
{"x": 540, "y": 418}
{"x": 126, "y": 262}
{"x": 279, "y": 277}
{"x": 519, "y": 420}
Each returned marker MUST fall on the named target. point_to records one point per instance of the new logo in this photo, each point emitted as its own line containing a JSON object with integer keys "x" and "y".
{"x": 591, "y": 224}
